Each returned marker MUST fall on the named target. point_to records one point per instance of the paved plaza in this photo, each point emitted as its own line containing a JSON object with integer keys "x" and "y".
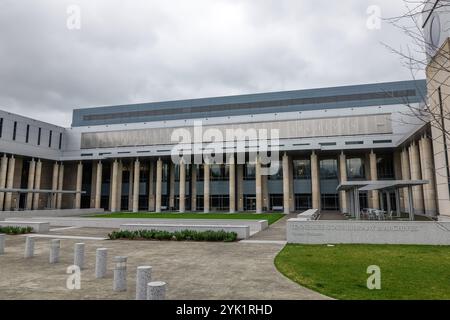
{"x": 192, "y": 270}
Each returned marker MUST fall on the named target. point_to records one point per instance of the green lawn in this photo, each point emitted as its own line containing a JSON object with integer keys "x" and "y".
{"x": 407, "y": 272}
{"x": 271, "y": 217}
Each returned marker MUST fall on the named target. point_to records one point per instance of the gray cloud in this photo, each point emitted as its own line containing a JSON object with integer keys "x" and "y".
{"x": 145, "y": 50}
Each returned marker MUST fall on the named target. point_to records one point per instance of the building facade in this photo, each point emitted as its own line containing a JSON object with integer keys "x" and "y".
{"x": 120, "y": 158}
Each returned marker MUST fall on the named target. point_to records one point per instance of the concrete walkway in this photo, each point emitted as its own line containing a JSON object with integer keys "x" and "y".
{"x": 276, "y": 231}
{"x": 192, "y": 270}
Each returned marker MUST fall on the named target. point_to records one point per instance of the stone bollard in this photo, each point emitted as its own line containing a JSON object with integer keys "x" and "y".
{"x": 78, "y": 257}
{"x": 120, "y": 274}
{"x": 29, "y": 247}
{"x": 143, "y": 277}
{"x": 101, "y": 260}
{"x": 2, "y": 243}
{"x": 55, "y": 245}
{"x": 156, "y": 290}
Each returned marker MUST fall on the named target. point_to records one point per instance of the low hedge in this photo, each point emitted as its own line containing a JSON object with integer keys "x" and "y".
{"x": 16, "y": 230}
{"x": 184, "y": 235}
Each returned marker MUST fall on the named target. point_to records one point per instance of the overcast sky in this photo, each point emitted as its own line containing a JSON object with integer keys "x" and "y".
{"x": 145, "y": 50}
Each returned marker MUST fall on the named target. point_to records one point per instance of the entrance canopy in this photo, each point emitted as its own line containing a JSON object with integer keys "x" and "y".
{"x": 387, "y": 186}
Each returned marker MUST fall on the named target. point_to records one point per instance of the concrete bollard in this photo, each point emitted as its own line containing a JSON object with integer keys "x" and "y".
{"x": 29, "y": 247}
{"x": 101, "y": 260}
{"x": 2, "y": 243}
{"x": 120, "y": 274}
{"x": 55, "y": 245}
{"x": 143, "y": 277}
{"x": 156, "y": 290}
{"x": 78, "y": 256}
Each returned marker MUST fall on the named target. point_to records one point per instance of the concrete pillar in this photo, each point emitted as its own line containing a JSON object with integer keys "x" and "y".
{"x": 406, "y": 175}
{"x": 172, "y": 186}
{"x": 115, "y": 169}
{"x": 416, "y": 174}
{"x": 258, "y": 185}
{"x": 29, "y": 247}
{"x": 291, "y": 185}
{"x": 3, "y": 171}
{"x": 30, "y": 185}
{"x": 232, "y": 182}
{"x": 10, "y": 182}
{"x": 78, "y": 255}
{"x": 315, "y": 181}
{"x": 182, "y": 187}
{"x": 137, "y": 169}
{"x": 151, "y": 186}
{"x": 101, "y": 263}
{"x": 193, "y": 187}
{"x": 98, "y": 185}
{"x": 143, "y": 278}
{"x": 60, "y": 185}
{"x": 120, "y": 274}
{"x": 265, "y": 192}
{"x": 156, "y": 291}
{"x": 55, "y": 246}
{"x": 286, "y": 184}
{"x": 427, "y": 166}
{"x": 78, "y": 185}
{"x": 398, "y": 176}
{"x": 158, "y": 185}
{"x": 343, "y": 179}
{"x": 119, "y": 186}
{"x": 37, "y": 184}
{"x": 374, "y": 177}
{"x": 240, "y": 187}
{"x": 206, "y": 190}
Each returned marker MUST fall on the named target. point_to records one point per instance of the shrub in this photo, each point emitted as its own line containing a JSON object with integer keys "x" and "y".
{"x": 184, "y": 235}
{"x": 15, "y": 230}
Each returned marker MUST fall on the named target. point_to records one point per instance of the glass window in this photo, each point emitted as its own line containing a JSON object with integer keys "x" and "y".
{"x": 14, "y": 130}
{"x": 27, "y": 135}
{"x": 279, "y": 174}
{"x": 328, "y": 169}
{"x": 249, "y": 172}
{"x": 355, "y": 168}
{"x": 330, "y": 201}
{"x": 50, "y": 139}
{"x": 302, "y": 169}
{"x": 1, "y": 127}
{"x": 39, "y": 137}
{"x": 385, "y": 167}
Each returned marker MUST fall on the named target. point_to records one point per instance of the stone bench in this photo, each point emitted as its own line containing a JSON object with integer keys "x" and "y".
{"x": 310, "y": 214}
{"x": 243, "y": 232}
{"x": 38, "y": 227}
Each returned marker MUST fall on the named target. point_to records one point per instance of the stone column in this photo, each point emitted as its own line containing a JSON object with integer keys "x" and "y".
{"x": 101, "y": 263}
{"x": 374, "y": 177}
{"x": 265, "y": 192}
{"x": 406, "y": 175}
{"x": 37, "y": 184}
{"x": 193, "y": 187}
{"x": 182, "y": 187}
{"x": 158, "y": 185}
{"x": 206, "y": 188}
{"x": 115, "y": 168}
{"x": 130, "y": 186}
{"x": 60, "y": 185}
{"x": 427, "y": 165}
{"x": 416, "y": 174}
{"x": 10, "y": 182}
{"x": 79, "y": 184}
{"x": 240, "y": 187}
{"x": 119, "y": 185}
{"x": 172, "y": 185}
{"x": 98, "y": 185}
{"x": 232, "y": 183}
{"x": 291, "y": 185}
{"x": 54, "y": 184}
{"x": 137, "y": 168}
{"x": 286, "y": 184}
{"x": 398, "y": 176}
{"x": 30, "y": 185}
{"x": 315, "y": 181}
{"x": 258, "y": 185}
{"x": 343, "y": 179}
{"x": 3, "y": 171}
{"x": 151, "y": 186}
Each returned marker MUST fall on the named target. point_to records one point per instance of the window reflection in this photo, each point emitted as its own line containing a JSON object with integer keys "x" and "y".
{"x": 302, "y": 169}
{"x": 355, "y": 168}
{"x": 328, "y": 169}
